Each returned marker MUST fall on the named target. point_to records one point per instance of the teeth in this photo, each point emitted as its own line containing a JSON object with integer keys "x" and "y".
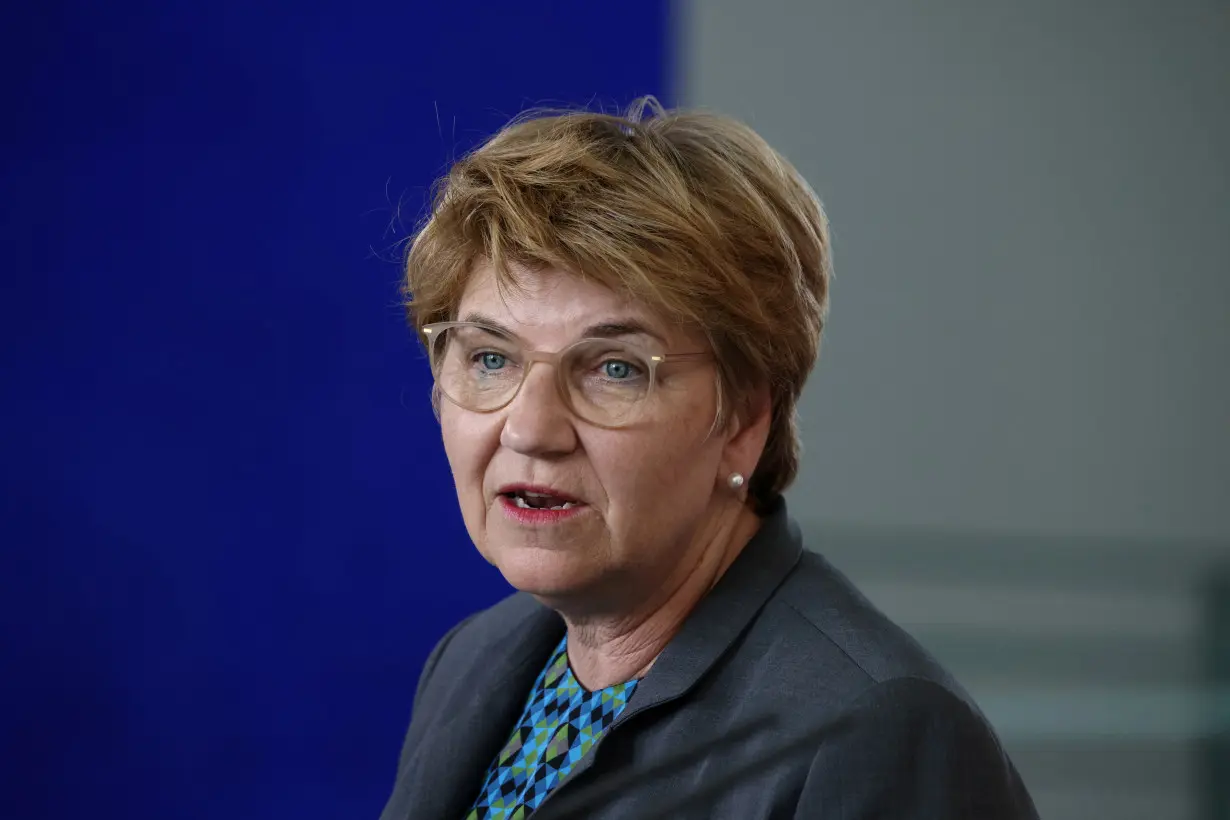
{"x": 520, "y": 502}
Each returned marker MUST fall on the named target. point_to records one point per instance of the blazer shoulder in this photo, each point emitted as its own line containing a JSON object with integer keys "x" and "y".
{"x": 488, "y": 628}
{"x": 491, "y": 638}
{"x": 820, "y": 599}
{"x": 933, "y": 753}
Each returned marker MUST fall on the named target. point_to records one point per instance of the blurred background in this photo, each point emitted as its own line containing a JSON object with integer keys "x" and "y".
{"x": 228, "y": 537}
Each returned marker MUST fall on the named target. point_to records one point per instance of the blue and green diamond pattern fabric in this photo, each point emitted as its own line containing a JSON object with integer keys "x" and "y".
{"x": 562, "y": 721}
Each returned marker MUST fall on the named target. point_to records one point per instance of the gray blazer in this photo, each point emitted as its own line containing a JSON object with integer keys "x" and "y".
{"x": 783, "y": 633}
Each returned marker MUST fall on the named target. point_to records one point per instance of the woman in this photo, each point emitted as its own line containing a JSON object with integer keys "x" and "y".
{"x": 620, "y": 315}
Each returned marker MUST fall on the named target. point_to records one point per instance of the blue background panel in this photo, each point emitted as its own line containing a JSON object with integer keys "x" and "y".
{"x": 229, "y": 536}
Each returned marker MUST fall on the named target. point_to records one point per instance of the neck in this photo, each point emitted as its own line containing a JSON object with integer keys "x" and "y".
{"x": 609, "y": 648}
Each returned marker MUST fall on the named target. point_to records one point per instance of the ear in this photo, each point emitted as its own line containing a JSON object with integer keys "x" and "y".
{"x": 748, "y": 433}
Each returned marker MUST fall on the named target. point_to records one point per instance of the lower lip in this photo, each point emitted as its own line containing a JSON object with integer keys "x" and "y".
{"x": 523, "y": 515}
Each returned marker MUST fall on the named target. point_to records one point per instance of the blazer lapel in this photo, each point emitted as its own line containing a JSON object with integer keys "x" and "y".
{"x": 445, "y": 771}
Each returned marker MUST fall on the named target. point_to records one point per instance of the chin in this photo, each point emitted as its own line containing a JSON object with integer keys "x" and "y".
{"x": 544, "y": 573}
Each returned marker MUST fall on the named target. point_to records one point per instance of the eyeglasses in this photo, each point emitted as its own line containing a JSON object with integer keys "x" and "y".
{"x": 606, "y": 382}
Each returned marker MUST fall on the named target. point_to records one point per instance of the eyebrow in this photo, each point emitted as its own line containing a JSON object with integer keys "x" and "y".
{"x": 602, "y": 330}
{"x": 623, "y": 327}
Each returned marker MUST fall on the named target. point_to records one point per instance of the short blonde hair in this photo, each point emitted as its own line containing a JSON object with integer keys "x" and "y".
{"x": 690, "y": 213}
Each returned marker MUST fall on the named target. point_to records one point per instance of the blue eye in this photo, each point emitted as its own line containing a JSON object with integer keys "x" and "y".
{"x": 617, "y": 370}
{"x": 492, "y": 361}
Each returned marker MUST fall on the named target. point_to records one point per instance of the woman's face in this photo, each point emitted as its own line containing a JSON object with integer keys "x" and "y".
{"x": 643, "y": 499}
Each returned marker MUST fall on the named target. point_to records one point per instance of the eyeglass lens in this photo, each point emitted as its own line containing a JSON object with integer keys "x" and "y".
{"x": 607, "y": 381}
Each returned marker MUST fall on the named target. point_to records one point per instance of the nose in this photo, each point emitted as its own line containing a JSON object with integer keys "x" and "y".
{"x": 536, "y": 422}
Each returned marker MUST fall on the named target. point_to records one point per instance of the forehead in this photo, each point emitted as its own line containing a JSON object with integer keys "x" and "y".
{"x": 551, "y": 304}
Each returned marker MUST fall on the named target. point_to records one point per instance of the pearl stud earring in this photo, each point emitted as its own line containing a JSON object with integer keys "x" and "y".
{"x": 735, "y": 481}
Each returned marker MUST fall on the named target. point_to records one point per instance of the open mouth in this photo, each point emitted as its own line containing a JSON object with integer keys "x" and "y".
{"x": 532, "y": 500}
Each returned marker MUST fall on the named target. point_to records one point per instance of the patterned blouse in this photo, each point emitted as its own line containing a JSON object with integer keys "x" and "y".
{"x": 561, "y": 722}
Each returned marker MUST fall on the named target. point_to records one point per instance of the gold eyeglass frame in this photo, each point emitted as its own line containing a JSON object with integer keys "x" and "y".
{"x": 554, "y": 358}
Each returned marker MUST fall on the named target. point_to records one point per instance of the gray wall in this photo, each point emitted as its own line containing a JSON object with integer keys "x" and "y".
{"x": 1031, "y": 207}
{"x": 1018, "y": 439}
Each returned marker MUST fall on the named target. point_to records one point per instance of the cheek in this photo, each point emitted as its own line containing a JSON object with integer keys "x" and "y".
{"x": 467, "y": 444}
{"x": 669, "y": 468}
